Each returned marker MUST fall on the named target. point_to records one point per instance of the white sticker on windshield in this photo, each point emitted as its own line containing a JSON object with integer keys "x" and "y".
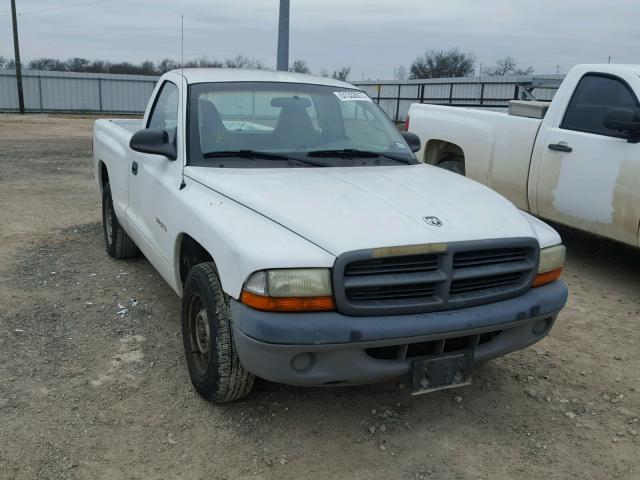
{"x": 352, "y": 95}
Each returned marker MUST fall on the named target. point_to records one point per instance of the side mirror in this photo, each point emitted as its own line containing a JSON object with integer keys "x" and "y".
{"x": 155, "y": 141}
{"x": 412, "y": 140}
{"x": 625, "y": 121}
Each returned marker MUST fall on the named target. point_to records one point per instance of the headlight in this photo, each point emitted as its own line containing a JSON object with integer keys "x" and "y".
{"x": 289, "y": 290}
{"x": 551, "y": 265}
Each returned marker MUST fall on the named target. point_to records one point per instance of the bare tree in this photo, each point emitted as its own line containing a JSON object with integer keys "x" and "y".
{"x": 507, "y": 66}
{"x": 166, "y": 64}
{"x": 300, "y": 66}
{"x": 443, "y": 63}
{"x": 401, "y": 73}
{"x": 242, "y": 61}
{"x": 77, "y": 64}
{"x": 204, "y": 62}
{"x": 49, "y": 64}
{"x": 342, "y": 74}
{"x": 98, "y": 66}
{"x": 146, "y": 67}
{"x": 7, "y": 63}
{"x": 324, "y": 72}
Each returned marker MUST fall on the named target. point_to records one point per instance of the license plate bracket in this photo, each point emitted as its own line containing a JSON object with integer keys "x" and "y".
{"x": 437, "y": 372}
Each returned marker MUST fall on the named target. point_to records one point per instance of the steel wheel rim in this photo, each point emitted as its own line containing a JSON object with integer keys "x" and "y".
{"x": 109, "y": 222}
{"x": 199, "y": 334}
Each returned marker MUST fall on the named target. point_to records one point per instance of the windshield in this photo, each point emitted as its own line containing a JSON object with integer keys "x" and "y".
{"x": 269, "y": 124}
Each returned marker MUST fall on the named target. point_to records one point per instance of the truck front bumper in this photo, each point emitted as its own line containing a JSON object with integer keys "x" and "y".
{"x": 329, "y": 348}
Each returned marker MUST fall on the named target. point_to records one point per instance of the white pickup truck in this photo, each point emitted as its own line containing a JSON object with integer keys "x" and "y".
{"x": 579, "y": 166}
{"x": 309, "y": 245}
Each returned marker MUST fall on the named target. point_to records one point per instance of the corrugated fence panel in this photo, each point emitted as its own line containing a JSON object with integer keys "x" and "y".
{"x": 466, "y": 93}
{"x": 499, "y": 91}
{"x": 389, "y": 106}
{"x": 389, "y": 91}
{"x": 370, "y": 90}
{"x": 76, "y": 92}
{"x": 410, "y": 91}
{"x": 125, "y": 96}
{"x": 8, "y": 93}
{"x": 31, "y": 90}
{"x": 65, "y": 94}
{"x": 435, "y": 91}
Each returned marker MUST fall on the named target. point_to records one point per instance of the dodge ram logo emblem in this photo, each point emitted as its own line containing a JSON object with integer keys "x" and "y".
{"x": 433, "y": 221}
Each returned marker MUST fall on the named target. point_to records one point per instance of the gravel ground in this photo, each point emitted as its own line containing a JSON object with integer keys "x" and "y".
{"x": 93, "y": 383}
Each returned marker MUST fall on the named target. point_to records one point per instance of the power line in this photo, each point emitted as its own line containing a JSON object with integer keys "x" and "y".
{"x": 59, "y": 7}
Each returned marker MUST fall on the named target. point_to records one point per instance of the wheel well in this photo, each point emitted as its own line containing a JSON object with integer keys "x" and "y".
{"x": 191, "y": 254}
{"x": 438, "y": 150}
{"x": 104, "y": 175}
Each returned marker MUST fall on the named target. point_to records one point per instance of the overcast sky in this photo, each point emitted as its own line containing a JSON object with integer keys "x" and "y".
{"x": 372, "y": 36}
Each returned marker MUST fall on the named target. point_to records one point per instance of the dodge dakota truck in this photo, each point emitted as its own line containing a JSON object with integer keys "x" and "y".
{"x": 308, "y": 244}
{"x": 579, "y": 165}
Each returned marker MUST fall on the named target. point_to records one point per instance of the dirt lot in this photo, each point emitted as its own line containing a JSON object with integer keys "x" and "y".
{"x": 86, "y": 392}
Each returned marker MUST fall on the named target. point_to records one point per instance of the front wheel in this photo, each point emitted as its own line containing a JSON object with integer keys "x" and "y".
{"x": 214, "y": 365}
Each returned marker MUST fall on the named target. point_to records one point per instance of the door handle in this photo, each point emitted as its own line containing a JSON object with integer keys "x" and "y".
{"x": 134, "y": 167}
{"x": 559, "y": 147}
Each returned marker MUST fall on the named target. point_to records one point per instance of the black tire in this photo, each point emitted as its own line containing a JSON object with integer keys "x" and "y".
{"x": 118, "y": 244}
{"x": 214, "y": 365}
{"x": 453, "y": 164}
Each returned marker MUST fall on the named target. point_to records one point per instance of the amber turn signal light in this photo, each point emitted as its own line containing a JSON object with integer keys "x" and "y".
{"x": 287, "y": 304}
{"x": 547, "y": 277}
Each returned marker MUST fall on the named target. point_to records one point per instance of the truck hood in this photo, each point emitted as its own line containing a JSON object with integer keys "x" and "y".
{"x": 344, "y": 209}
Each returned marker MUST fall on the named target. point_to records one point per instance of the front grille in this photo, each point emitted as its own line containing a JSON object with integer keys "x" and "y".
{"x": 492, "y": 256}
{"x": 484, "y": 283}
{"x": 392, "y": 292}
{"x": 406, "y": 264}
{"x": 462, "y": 274}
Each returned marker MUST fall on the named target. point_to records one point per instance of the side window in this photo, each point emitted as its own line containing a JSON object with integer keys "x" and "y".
{"x": 165, "y": 111}
{"x": 593, "y": 98}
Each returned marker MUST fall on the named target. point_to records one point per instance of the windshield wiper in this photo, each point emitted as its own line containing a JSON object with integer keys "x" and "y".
{"x": 255, "y": 154}
{"x": 355, "y": 153}
{"x": 246, "y": 154}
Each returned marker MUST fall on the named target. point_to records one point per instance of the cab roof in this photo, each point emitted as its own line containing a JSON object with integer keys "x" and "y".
{"x": 207, "y": 75}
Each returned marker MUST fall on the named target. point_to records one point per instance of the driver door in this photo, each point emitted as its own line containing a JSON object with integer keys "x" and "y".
{"x": 589, "y": 176}
{"x": 154, "y": 181}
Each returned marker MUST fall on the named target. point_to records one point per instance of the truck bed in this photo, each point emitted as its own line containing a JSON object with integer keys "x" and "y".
{"x": 128, "y": 124}
{"x": 497, "y": 146}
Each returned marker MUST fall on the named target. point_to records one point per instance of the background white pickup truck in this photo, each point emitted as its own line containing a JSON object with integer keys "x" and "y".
{"x": 579, "y": 166}
{"x": 309, "y": 245}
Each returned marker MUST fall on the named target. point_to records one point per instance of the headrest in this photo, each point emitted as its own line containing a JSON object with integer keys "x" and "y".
{"x": 295, "y": 101}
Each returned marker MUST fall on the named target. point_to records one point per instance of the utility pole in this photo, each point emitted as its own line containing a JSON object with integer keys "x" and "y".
{"x": 16, "y": 50}
{"x": 283, "y": 36}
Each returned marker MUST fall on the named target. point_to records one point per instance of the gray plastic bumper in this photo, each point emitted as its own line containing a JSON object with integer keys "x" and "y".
{"x": 330, "y": 348}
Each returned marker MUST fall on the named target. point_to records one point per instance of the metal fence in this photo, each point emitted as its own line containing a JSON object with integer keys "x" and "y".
{"x": 476, "y": 92}
{"x": 111, "y": 93}
{"x": 76, "y": 92}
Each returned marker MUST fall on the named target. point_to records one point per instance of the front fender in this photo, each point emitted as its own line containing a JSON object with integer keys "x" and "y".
{"x": 240, "y": 240}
